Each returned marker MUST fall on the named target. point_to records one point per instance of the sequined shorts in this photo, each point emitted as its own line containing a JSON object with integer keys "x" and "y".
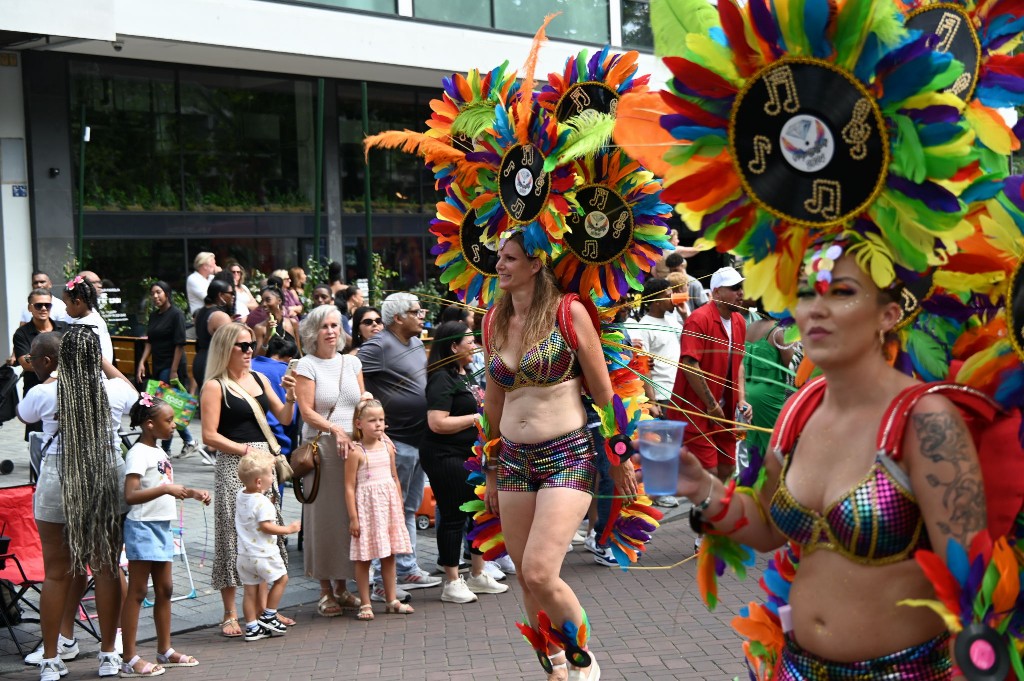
{"x": 928, "y": 661}
{"x": 566, "y": 461}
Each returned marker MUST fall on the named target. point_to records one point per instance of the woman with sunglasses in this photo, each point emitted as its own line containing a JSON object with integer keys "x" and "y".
{"x": 277, "y": 322}
{"x": 244, "y": 300}
{"x": 232, "y": 427}
{"x": 40, "y": 304}
{"x": 366, "y": 323}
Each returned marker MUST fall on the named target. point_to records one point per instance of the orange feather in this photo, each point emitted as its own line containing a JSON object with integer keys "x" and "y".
{"x": 638, "y": 130}
{"x": 414, "y": 143}
{"x": 526, "y": 91}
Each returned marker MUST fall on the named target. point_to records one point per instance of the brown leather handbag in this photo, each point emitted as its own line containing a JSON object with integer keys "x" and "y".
{"x": 306, "y": 457}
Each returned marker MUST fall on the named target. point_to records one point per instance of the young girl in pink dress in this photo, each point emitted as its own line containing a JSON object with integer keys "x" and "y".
{"x": 374, "y": 498}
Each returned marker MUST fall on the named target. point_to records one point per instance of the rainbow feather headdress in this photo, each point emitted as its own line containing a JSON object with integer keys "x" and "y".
{"x": 896, "y": 154}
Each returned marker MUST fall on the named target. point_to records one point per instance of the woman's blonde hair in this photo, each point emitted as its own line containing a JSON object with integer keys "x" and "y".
{"x": 357, "y": 432}
{"x": 543, "y": 307}
{"x": 219, "y": 355}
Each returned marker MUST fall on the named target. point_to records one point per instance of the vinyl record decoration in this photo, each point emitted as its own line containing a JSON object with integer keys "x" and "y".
{"x": 620, "y": 231}
{"x": 467, "y": 263}
{"x": 914, "y": 290}
{"x": 808, "y": 142}
{"x": 592, "y": 84}
{"x": 1015, "y": 309}
{"x": 523, "y": 186}
{"x": 953, "y": 32}
{"x": 980, "y": 652}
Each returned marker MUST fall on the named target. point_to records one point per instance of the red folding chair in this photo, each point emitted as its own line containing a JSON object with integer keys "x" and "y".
{"x": 21, "y": 566}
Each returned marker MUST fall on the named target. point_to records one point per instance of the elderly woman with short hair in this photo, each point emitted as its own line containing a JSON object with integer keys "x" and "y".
{"x": 328, "y": 387}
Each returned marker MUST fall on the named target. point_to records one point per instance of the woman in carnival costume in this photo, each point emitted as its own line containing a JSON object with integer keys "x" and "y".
{"x": 535, "y": 208}
{"x": 827, "y": 144}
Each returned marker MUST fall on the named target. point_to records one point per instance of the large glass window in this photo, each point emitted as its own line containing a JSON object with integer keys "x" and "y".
{"x": 582, "y": 20}
{"x": 636, "y": 24}
{"x": 382, "y": 6}
{"x": 131, "y": 159}
{"x": 248, "y": 142}
{"x": 400, "y": 182}
{"x": 462, "y": 12}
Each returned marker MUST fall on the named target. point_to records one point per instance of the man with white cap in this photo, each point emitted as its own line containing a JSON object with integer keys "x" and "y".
{"x": 711, "y": 380}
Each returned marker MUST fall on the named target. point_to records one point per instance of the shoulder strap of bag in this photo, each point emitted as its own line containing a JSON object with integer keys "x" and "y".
{"x": 257, "y": 410}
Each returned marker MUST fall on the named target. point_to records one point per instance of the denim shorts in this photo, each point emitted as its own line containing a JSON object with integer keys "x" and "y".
{"x": 148, "y": 540}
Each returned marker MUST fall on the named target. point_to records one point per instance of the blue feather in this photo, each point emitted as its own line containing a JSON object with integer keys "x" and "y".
{"x": 957, "y": 561}
{"x": 816, "y": 16}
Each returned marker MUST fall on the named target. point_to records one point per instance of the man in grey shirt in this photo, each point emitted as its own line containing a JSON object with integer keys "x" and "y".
{"x": 395, "y": 371}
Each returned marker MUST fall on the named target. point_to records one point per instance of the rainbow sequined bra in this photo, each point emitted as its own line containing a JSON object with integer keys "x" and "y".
{"x": 875, "y": 523}
{"x": 549, "y": 362}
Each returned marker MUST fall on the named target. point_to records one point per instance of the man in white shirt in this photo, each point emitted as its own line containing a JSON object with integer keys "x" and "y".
{"x": 205, "y": 266}
{"x": 658, "y": 335}
{"x": 58, "y": 313}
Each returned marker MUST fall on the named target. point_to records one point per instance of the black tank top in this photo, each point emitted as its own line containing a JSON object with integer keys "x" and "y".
{"x": 237, "y": 422}
{"x": 203, "y": 335}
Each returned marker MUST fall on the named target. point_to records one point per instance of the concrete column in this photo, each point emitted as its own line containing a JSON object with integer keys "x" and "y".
{"x": 15, "y": 216}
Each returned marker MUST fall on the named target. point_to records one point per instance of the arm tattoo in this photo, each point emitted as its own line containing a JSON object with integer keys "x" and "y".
{"x": 944, "y": 442}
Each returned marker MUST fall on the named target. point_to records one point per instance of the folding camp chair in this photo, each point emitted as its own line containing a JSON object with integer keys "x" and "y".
{"x": 21, "y": 566}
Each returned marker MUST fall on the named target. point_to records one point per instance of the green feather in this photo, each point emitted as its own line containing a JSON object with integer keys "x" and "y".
{"x": 590, "y": 133}
{"x": 671, "y": 20}
{"x": 907, "y": 152}
{"x": 474, "y": 119}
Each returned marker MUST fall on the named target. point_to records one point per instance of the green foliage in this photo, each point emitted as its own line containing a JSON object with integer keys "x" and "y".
{"x": 431, "y": 294}
{"x": 316, "y": 274}
{"x": 71, "y": 266}
{"x": 378, "y": 276}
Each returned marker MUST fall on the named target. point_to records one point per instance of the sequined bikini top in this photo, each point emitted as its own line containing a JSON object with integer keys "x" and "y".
{"x": 877, "y": 522}
{"x": 549, "y": 362}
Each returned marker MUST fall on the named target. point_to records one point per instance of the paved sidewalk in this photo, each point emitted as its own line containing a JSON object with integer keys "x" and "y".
{"x": 648, "y": 624}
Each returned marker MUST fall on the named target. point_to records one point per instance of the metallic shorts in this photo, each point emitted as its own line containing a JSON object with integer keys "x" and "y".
{"x": 566, "y": 461}
{"x": 928, "y": 661}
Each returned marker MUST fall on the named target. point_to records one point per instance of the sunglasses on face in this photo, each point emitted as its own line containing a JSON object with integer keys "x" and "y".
{"x": 246, "y": 347}
{"x": 371, "y": 322}
{"x": 735, "y": 289}
{"x": 42, "y": 306}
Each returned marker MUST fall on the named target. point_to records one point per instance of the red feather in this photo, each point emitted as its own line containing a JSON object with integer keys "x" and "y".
{"x": 748, "y": 60}
{"x": 699, "y": 79}
{"x": 947, "y": 589}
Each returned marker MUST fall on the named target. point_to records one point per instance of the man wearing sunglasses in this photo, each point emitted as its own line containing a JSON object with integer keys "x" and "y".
{"x": 40, "y": 309}
{"x": 711, "y": 379}
{"x": 58, "y": 313}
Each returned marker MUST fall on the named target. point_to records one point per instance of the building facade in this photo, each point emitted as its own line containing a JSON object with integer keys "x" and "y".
{"x": 140, "y": 132}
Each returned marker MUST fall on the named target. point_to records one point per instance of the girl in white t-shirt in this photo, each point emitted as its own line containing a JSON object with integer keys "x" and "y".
{"x": 150, "y": 491}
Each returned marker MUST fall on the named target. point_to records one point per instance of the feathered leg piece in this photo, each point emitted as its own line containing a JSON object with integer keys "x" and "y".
{"x": 570, "y": 637}
{"x": 539, "y": 642}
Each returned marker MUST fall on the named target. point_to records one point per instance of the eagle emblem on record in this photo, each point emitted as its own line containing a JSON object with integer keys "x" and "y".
{"x": 604, "y": 230}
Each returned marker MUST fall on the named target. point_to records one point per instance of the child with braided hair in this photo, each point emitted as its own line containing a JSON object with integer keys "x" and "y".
{"x": 78, "y": 500}
{"x": 81, "y": 301}
{"x": 150, "y": 490}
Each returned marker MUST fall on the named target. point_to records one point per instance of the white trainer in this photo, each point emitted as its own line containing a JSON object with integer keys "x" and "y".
{"x": 110, "y": 664}
{"x": 491, "y": 568}
{"x": 483, "y": 583}
{"x": 67, "y": 650}
{"x": 506, "y": 564}
{"x": 456, "y": 591}
{"x": 52, "y": 670}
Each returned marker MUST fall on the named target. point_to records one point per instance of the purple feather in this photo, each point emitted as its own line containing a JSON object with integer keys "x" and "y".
{"x": 1013, "y": 187}
{"x": 764, "y": 24}
{"x": 633, "y": 526}
{"x": 933, "y": 114}
{"x": 748, "y": 476}
{"x": 930, "y": 194}
{"x": 713, "y": 218}
{"x": 483, "y": 157}
{"x": 595, "y": 61}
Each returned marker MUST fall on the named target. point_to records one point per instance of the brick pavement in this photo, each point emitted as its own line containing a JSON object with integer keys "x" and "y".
{"x": 648, "y": 624}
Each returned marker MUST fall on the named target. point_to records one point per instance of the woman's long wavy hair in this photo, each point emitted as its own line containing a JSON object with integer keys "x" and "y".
{"x": 88, "y": 457}
{"x": 221, "y": 345}
{"x": 543, "y": 307}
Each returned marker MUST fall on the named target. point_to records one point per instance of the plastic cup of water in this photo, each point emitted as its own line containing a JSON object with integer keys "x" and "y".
{"x": 659, "y": 443}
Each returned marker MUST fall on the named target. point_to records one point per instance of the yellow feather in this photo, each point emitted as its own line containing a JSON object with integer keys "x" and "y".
{"x": 951, "y": 620}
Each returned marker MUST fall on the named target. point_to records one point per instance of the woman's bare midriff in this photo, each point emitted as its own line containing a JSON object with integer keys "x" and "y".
{"x": 847, "y": 612}
{"x": 536, "y": 414}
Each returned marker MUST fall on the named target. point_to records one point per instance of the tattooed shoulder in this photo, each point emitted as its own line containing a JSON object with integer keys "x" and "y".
{"x": 952, "y": 471}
